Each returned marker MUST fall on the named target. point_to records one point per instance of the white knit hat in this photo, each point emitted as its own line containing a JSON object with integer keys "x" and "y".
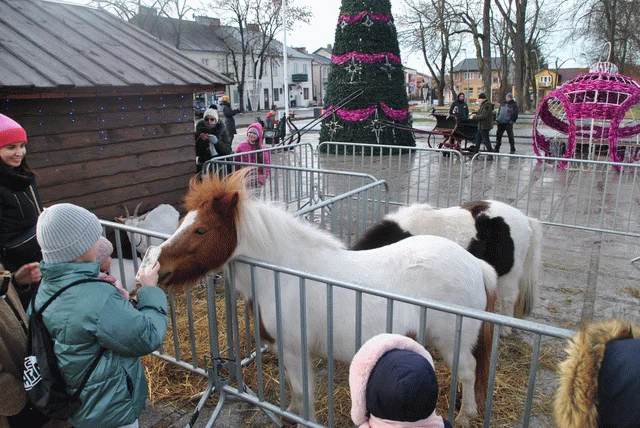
{"x": 65, "y": 232}
{"x": 210, "y": 112}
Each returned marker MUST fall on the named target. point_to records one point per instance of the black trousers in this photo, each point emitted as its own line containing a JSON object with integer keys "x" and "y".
{"x": 482, "y": 136}
{"x": 500, "y": 132}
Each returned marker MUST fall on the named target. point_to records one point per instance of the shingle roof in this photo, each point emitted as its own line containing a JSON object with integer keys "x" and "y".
{"x": 194, "y": 36}
{"x": 471, "y": 64}
{"x": 47, "y": 46}
{"x": 320, "y": 59}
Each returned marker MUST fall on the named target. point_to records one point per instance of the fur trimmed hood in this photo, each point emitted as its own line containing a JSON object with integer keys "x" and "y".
{"x": 583, "y": 385}
{"x": 360, "y": 371}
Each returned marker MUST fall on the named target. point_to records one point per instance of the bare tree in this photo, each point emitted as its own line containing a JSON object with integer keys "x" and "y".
{"x": 130, "y": 9}
{"x": 427, "y": 27}
{"x": 610, "y": 21}
{"x": 477, "y": 24}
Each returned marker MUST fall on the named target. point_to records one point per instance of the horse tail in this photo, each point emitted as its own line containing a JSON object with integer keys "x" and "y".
{"x": 528, "y": 285}
{"x": 482, "y": 349}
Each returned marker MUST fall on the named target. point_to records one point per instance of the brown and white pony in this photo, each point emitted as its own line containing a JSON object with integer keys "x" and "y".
{"x": 223, "y": 223}
{"x": 491, "y": 230}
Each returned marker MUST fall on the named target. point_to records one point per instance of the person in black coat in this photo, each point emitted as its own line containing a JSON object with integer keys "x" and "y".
{"x": 212, "y": 139}
{"x": 227, "y": 116}
{"x": 459, "y": 108}
{"x": 19, "y": 203}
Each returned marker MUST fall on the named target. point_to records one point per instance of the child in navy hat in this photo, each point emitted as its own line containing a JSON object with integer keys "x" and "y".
{"x": 393, "y": 384}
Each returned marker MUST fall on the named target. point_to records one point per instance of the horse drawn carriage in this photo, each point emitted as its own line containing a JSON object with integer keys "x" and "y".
{"x": 450, "y": 133}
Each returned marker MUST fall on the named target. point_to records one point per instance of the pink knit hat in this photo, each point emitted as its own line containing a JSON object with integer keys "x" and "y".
{"x": 11, "y": 132}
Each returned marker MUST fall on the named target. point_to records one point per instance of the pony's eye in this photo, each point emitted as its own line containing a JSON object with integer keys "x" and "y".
{"x": 201, "y": 231}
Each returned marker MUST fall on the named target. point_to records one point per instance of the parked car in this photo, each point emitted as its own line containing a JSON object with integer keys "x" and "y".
{"x": 199, "y": 107}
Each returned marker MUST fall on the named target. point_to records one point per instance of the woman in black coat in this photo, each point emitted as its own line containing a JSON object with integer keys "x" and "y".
{"x": 19, "y": 202}
{"x": 212, "y": 139}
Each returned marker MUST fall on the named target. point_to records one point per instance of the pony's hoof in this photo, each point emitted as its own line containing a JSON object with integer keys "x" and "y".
{"x": 463, "y": 421}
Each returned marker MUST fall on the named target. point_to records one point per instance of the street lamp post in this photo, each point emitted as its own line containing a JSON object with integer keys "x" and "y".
{"x": 284, "y": 54}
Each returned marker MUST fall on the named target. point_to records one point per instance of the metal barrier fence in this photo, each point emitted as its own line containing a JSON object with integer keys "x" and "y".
{"x": 243, "y": 349}
{"x": 347, "y": 202}
{"x": 434, "y": 176}
{"x": 589, "y": 195}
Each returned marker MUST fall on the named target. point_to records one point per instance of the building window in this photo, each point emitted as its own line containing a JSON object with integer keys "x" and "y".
{"x": 275, "y": 70}
{"x": 545, "y": 79}
{"x": 236, "y": 97}
{"x": 305, "y": 69}
{"x": 479, "y": 76}
{"x": 468, "y": 75}
{"x": 324, "y": 71}
{"x": 495, "y": 79}
{"x": 276, "y": 95}
{"x": 205, "y": 62}
{"x": 295, "y": 68}
{"x": 306, "y": 93}
{"x": 222, "y": 65}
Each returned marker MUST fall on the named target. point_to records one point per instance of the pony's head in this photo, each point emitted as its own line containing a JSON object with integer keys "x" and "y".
{"x": 207, "y": 236}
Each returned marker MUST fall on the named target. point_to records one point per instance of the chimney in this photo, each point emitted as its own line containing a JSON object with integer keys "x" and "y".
{"x": 209, "y": 22}
{"x": 301, "y": 50}
{"x": 145, "y": 10}
{"x": 329, "y": 47}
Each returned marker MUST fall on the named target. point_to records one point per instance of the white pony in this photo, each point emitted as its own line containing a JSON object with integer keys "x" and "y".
{"x": 491, "y": 230}
{"x": 224, "y": 223}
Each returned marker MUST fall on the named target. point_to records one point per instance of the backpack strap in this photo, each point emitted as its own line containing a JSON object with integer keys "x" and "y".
{"x": 94, "y": 364}
{"x": 59, "y": 292}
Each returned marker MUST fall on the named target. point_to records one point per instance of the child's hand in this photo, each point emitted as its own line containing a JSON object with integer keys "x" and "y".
{"x": 149, "y": 276}
{"x": 204, "y": 136}
{"x": 27, "y": 274}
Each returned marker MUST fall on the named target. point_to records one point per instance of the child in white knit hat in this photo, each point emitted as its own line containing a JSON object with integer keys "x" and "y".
{"x": 92, "y": 317}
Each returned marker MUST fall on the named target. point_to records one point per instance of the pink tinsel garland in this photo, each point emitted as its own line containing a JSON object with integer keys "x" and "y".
{"x": 366, "y": 58}
{"x": 350, "y": 19}
{"x": 362, "y": 114}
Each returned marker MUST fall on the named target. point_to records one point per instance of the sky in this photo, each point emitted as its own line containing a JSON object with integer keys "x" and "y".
{"x": 321, "y": 31}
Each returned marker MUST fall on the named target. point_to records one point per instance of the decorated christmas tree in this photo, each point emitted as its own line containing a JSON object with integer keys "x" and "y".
{"x": 366, "y": 57}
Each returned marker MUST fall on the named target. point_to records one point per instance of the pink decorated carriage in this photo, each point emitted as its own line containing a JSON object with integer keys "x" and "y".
{"x": 593, "y": 116}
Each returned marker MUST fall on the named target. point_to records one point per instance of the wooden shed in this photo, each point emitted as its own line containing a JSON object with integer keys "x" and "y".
{"x": 108, "y": 108}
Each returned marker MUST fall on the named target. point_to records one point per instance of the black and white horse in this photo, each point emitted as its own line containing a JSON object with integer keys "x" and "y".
{"x": 490, "y": 230}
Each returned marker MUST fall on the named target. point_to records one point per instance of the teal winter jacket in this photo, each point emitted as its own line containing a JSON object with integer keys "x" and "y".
{"x": 92, "y": 315}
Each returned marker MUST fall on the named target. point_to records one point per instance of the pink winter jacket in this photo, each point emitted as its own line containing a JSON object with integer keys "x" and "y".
{"x": 245, "y": 147}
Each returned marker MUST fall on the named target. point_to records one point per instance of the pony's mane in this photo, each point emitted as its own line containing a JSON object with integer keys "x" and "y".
{"x": 270, "y": 226}
{"x": 202, "y": 193}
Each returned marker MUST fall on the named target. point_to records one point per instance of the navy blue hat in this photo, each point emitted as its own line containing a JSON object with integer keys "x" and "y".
{"x": 619, "y": 384}
{"x": 402, "y": 387}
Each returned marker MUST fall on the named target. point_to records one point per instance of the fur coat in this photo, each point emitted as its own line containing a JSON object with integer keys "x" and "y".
{"x": 577, "y": 401}
{"x": 13, "y": 349}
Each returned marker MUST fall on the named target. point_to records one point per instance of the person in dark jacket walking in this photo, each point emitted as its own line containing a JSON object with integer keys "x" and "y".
{"x": 600, "y": 378}
{"x": 459, "y": 108}
{"x": 94, "y": 316}
{"x": 19, "y": 203}
{"x": 484, "y": 116}
{"x": 507, "y": 116}
{"x": 227, "y": 116}
{"x": 212, "y": 139}
{"x": 393, "y": 384}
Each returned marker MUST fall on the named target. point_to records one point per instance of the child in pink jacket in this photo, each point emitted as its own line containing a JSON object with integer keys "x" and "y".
{"x": 254, "y": 142}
